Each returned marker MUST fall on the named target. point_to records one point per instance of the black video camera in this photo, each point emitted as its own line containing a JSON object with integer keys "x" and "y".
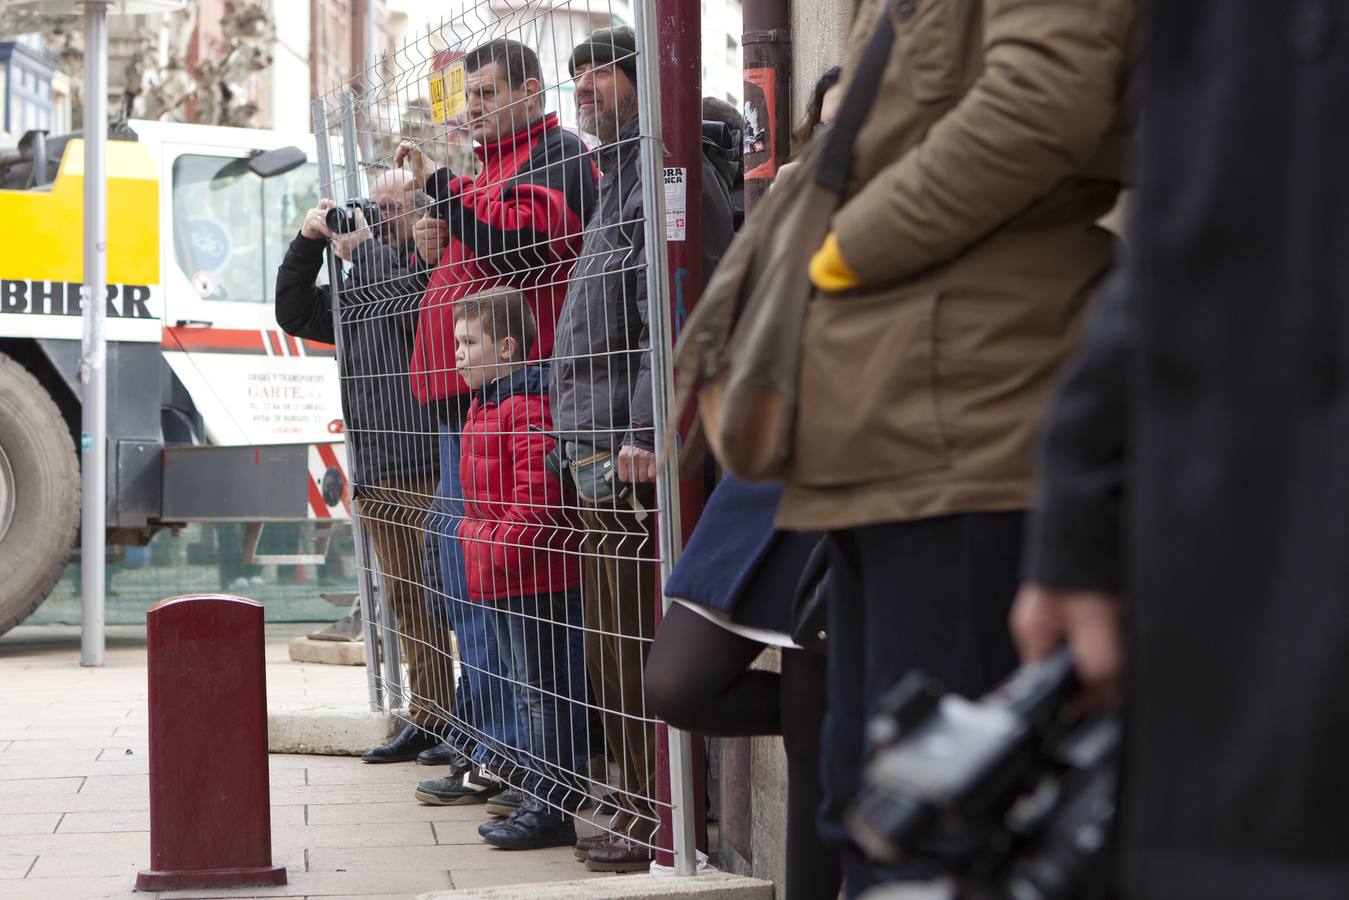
{"x": 1023, "y": 786}
{"x": 342, "y": 219}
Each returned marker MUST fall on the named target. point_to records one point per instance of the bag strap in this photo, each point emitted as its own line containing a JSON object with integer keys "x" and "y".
{"x": 864, "y": 83}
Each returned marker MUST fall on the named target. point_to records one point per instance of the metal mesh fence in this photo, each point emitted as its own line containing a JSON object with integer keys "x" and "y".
{"x": 489, "y": 229}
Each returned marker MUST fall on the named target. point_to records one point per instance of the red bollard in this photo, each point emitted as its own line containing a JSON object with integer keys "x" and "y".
{"x": 210, "y": 802}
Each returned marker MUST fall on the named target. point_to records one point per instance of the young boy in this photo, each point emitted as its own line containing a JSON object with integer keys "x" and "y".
{"x": 515, "y": 538}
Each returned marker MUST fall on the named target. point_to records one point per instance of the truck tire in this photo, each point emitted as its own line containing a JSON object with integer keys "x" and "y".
{"x": 39, "y": 493}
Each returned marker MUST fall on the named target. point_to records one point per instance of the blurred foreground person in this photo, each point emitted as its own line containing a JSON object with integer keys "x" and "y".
{"x": 948, "y": 292}
{"x": 1195, "y": 465}
{"x": 734, "y": 591}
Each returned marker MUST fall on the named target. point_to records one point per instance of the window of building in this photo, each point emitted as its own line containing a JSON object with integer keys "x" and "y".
{"x": 231, "y": 228}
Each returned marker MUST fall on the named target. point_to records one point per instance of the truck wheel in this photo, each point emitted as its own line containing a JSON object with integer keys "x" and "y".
{"x": 39, "y": 493}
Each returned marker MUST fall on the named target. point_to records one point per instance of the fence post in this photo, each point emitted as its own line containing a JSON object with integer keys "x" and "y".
{"x": 363, "y": 584}
{"x": 390, "y": 655}
{"x": 683, "y": 819}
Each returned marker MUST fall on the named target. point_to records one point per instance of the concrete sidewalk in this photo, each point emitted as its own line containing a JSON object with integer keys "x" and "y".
{"x": 74, "y": 819}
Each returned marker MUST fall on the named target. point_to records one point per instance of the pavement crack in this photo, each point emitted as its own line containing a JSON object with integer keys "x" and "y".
{"x": 30, "y": 867}
{"x": 306, "y": 859}
{"x": 83, "y": 780}
{"x": 435, "y": 835}
{"x": 59, "y": 821}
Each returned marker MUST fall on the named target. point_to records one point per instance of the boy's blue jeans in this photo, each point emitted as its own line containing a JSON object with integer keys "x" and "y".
{"x": 542, "y": 648}
{"x": 484, "y": 701}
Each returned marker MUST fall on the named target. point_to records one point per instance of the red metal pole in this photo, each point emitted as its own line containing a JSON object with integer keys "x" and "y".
{"x": 210, "y": 802}
{"x": 679, "y": 23}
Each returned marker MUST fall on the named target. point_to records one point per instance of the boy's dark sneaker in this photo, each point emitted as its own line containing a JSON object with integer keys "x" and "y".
{"x": 460, "y": 791}
{"x": 505, "y": 803}
{"x": 532, "y": 827}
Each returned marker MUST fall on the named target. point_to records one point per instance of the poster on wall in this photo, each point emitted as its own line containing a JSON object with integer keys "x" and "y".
{"x": 760, "y": 114}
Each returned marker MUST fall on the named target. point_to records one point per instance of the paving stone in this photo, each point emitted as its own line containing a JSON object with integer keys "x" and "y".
{"x": 407, "y": 834}
{"x": 379, "y": 882}
{"x": 38, "y": 787}
{"x": 452, "y": 857}
{"x": 70, "y": 888}
{"x": 29, "y": 823}
{"x": 14, "y": 864}
{"x": 374, "y": 773}
{"x": 408, "y": 810}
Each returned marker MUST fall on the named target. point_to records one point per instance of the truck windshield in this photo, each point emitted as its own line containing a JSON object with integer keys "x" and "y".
{"x": 231, "y": 228}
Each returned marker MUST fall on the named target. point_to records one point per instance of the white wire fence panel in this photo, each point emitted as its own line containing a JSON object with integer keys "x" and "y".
{"x": 493, "y": 340}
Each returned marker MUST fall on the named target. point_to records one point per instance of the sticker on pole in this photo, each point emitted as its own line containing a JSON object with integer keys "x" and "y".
{"x": 676, "y": 203}
{"x": 449, "y": 96}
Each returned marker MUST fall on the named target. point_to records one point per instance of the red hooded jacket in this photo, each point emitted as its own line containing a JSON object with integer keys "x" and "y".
{"x": 517, "y": 536}
{"x": 517, "y": 223}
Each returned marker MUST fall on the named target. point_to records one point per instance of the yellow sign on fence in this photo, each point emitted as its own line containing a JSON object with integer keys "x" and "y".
{"x": 448, "y": 95}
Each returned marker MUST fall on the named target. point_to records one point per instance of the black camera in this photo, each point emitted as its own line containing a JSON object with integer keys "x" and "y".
{"x": 1013, "y": 794}
{"x": 342, "y": 219}
{"x": 438, "y": 191}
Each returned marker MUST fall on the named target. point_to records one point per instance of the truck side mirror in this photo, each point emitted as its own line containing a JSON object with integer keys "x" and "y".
{"x": 277, "y": 162}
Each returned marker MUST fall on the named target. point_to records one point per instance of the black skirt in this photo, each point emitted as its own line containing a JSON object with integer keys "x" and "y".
{"x": 737, "y": 564}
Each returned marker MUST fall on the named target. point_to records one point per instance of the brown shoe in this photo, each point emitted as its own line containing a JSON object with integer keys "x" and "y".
{"x": 619, "y": 855}
{"x": 586, "y": 844}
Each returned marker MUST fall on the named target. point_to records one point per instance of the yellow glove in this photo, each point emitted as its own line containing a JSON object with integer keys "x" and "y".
{"x": 829, "y": 271}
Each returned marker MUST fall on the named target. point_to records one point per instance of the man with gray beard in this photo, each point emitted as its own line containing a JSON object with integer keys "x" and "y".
{"x": 602, "y": 409}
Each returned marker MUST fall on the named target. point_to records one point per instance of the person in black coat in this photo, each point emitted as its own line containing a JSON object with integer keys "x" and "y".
{"x": 392, "y": 437}
{"x": 1195, "y": 462}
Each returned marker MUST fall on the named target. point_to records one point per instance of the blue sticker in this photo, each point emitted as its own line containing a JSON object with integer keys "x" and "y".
{"x": 210, "y": 243}
{"x": 86, "y": 442}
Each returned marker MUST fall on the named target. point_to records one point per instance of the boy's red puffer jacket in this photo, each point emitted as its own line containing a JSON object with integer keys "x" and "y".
{"x": 517, "y": 223}
{"x": 515, "y": 532}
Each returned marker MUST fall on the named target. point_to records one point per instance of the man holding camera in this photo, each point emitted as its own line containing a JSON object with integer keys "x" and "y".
{"x": 391, "y": 436}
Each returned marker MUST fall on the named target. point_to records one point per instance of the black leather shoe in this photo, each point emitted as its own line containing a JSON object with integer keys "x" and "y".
{"x": 532, "y": 827}
{"x": 440, "y": 755}
{"x": 404, "y": 748}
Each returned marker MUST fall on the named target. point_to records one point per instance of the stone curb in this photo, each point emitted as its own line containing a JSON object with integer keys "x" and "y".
{"x": 325, "y": 731}
{"x": 709, "y": 886}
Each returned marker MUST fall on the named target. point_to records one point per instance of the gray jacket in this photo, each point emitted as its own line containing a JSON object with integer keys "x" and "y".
{"x": 601, "y": 387}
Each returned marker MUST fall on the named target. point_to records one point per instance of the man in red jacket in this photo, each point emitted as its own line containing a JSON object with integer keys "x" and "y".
{"x": 517, "y": 223}
{"x": 516, "y": 538}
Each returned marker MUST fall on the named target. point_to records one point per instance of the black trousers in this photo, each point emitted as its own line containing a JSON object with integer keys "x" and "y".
{"x": 932, "y": 594}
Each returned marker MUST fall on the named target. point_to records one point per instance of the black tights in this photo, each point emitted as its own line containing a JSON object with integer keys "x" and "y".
{"x": 698, "y": 678}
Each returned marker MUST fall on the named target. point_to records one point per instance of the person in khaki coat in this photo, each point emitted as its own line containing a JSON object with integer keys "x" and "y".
{"x": 949, "y": 293}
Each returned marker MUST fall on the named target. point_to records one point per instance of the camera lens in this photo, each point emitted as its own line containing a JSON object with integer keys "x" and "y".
{"x": 340, "y": 220}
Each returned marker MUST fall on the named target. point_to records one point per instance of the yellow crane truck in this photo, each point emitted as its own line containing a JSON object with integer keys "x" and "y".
{"x": 214, "y": 415}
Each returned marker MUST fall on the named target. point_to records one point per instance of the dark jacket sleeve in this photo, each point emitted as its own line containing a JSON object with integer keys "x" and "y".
{"x": 303, "y": 308}
{"x": 1076, "y": 529}
{"x": 521, "y": 230}
{"x": 380, "y": 272}
{"x": 717, "y": 231}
